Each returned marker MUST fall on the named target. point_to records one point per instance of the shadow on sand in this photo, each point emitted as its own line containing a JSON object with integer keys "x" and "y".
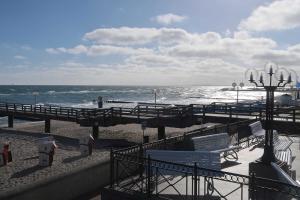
{"x": 72, "y": 159}
{"x": 227, "y": 164}
{"x": 68, "y": 143}
{"x": 27, "y": 171}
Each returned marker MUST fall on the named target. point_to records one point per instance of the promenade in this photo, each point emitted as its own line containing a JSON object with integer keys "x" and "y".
{"x": 241, "y": 166}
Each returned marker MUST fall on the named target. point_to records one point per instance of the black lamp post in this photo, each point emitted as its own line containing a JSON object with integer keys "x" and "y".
{"x": 270, "y": 88}
{"x": 234, "y": 85}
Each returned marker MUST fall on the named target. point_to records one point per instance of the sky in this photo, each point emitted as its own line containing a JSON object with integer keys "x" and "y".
{"x": 149, "y": 42}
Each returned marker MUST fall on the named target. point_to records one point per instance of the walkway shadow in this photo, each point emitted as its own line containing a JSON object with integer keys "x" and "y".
{"x": 227, "y": 164}
{"x": 259, "y": 145}
{"x": 31, "y": 158}
{"x": 72, "y": 159}
{"x": 116, "y": 143}
{"x": 68, "y": 143}
{"x": 27, "y": 171}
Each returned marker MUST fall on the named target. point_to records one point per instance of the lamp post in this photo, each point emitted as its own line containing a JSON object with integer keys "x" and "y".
{"x": 35, "y": 94}
{"x": 234, "y": 85}
{"x": 272, "y": 84}
{"x": 155, "y": 92}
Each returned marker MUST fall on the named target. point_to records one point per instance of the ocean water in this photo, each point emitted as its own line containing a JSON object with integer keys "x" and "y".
{"x": 86, "y": 96}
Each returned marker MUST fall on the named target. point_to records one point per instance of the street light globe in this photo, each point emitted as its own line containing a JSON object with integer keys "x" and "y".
{"x": 234, "y": 84}
{"x": 156, "y": 91}
{"x": 242, "y": 84}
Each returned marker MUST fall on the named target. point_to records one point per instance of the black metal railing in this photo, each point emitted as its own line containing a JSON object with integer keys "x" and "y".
{"x": 155, "y": 178}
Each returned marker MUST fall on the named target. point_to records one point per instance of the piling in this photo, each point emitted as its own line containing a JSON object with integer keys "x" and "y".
{"x": 161, "y": 132}
{"x": 10, "y": 121}
{"x": 47, "y": 125}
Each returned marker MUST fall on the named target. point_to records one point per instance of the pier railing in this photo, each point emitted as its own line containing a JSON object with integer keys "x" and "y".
{"x": 94, "y": 113}
{"x": 147, "y": 111}
{"x": 133, "y": 173}
{"x": 150, "y": 178}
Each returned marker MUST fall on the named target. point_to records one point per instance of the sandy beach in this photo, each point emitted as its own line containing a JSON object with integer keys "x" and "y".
{"x": 128, "y": 132}
{"x": 23, "y": 138}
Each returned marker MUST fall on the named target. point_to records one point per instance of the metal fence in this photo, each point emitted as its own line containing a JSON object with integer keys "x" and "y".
{"x": 133, "y": 173}
{"x": 156, "y": 179}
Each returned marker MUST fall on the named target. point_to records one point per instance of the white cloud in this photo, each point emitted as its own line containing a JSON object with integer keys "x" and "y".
{"x": 136, "y": 36}
{"x": 26, "y": 47}
{"x": 19, "y": 57}
{"x": 169, "y": 18}
{"x": 99, "y": 50}
{"x": 278, "y": 15}
{"x": 295, "y": 48}
{"x": 52, "y": 51}
{"x": 168, "y": 54}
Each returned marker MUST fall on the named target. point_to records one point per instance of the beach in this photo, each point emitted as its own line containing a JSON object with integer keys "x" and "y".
{"x": 24, "y": 169}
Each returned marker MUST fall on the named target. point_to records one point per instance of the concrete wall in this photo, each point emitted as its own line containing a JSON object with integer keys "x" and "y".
{"x": 66, "y": 186}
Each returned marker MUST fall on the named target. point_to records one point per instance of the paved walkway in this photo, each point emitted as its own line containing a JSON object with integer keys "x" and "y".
{"x": 240, "y": 167}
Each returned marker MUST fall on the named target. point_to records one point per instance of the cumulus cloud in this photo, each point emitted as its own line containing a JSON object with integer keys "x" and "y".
{"x": 136, "y": 36}
{"x": 278, "y": 15}
{"x": 19, "y": 57}
{"x": 169, "y": 18}
{"x": 99, "y": 50}
{"x": 167, "y": 52}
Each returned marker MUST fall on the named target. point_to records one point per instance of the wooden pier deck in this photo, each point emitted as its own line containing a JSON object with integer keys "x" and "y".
{"x": 157, "y": 116}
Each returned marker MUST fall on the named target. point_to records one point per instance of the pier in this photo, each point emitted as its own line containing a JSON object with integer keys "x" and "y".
{"x": 155, "y": 116}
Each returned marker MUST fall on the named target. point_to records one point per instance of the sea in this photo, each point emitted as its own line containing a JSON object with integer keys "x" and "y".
{"x": 86, "y": 96}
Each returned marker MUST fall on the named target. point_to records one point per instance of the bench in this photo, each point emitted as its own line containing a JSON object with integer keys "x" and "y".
{"x": 283, "y": 143}
{"x": 282, "y": 149}
{"x": 203, "y": 159}
{"x": 216, "y": 143}
{"x": 257, "y": 129}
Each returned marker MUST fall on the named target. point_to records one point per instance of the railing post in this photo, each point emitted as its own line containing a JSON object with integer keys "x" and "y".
{"x": 230, "y": 112}
{"x": 149, "y": 177}
{"x": 141, "y": 164}
{"x": 294, "y": 115}
{"x": 195, "y": 182}
{"x": 251, "y": 190}
{"x": 203, "y": 111}
{"x": 112, "y": 162}
{"x": 192, "y": 109}
{"x": 260, "y": 113}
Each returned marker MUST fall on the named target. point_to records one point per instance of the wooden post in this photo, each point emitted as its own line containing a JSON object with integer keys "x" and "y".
{"x": 95, "y": 131}
{"x": 47, "y": 125}
{"x": 260, "y": 113}
{"x": 161, "y": 133}
{"x": 10, "y": 121}
{"x": 112, "y": 170}
{"x": 294, "y": 115}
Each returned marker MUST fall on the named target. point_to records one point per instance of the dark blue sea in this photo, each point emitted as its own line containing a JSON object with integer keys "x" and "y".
{"x": 86, "y": 96}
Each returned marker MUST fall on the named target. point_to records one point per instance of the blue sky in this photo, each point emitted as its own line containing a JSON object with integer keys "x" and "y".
{"x": 164, "y": 42}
